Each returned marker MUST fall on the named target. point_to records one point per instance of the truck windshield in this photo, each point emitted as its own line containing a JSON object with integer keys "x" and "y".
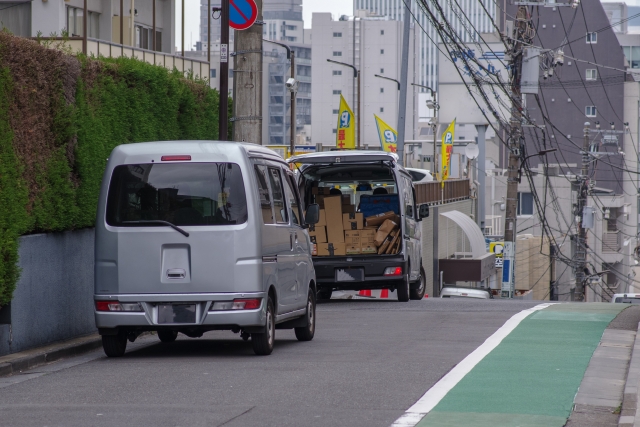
{"x": 179, "y": 193}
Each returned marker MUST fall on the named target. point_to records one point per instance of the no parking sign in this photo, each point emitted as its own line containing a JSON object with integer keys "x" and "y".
{"x": 242, "y": 14}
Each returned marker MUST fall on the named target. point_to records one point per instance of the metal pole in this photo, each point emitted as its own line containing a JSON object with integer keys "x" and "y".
{"x": 480, "y": 165}
{"x": 359, "y": 124}
{"x": 435, "y": 135}
{"x": 122, "y": 22}
{"x": 182, "y": 28}
{"x": 581, "y": 242}
{"x": 133, "y": 26}
{"x": 404, "y": 71}
{"x": 292, "y": 143}
{"x": 153, "y": 35}
{"x": 223, "y": 118}
{"x": 84, "y": 29}
{"x": 553, "y": 292}
{"x": 208, "y": 33}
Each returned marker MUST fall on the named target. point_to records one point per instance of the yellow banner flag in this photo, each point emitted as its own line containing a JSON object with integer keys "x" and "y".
{"x": 346, "y": 131}
{"x": 447, "y": 149}
{"x": 388, "y": 136}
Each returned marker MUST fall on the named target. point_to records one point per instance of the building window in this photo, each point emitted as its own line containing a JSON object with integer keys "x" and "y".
{"x": 592, "y": 38}
{"x": 337, "y": 92}
{"x": 337, "y": 72}
{"x": 382, "y": 32}
{"x": 525, "y": 204}
{"x": 335, "y": 131}
{"x": 291, "y": 27}
{"x": 335, "y": 111}
{"x": 590, "y": 111}
{"x": 337, "y": 34}
{"x": 381, "y": 51}
{"x": 381, "y": 90}
{"x": 337, "y": 53}
{"x": 381, "y": 70}
{"x": 382, "y": 109}
{"x": 592, "y": 74}
{"x": 75, "y": 21}
{"x": 632, "y": 53}
{"x": 212, "y": 73}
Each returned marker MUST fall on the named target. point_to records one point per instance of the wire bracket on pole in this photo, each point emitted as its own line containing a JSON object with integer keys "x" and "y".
{"x": 242, "y": 52}
{"x": 234, "y": 119}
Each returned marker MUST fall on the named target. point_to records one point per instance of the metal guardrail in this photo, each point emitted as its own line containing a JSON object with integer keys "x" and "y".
{"x": 433, "y": 193}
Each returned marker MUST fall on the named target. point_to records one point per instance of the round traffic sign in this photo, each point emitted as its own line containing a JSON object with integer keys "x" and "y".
{"x": 242, "y": 13}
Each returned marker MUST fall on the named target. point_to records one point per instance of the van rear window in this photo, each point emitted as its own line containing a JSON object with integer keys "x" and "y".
{"x": 180, "y": 193}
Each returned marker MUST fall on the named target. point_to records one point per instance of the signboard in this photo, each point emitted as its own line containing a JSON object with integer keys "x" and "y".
{"x": 497, "y": 248}
{"x": 224, "y": 52}
{"x": 242, "y": 14}
{"x": 507, "y": 270}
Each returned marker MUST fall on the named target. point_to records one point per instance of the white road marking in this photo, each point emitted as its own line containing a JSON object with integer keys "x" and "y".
{"x": 435, "y": 394}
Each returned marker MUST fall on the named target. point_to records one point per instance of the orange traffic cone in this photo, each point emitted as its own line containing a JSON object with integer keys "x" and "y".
{"x": 384, "y": 293}
{"x": 426, "y": 295}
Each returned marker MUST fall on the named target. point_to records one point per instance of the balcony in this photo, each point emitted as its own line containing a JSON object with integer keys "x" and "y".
{"x": 432, "y": 192}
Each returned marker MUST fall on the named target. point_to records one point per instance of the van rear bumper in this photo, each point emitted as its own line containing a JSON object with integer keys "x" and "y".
{"x": 147, "y": 319}
{"x": 373, "y": 265}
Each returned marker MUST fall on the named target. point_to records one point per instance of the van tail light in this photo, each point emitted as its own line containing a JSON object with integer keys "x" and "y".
{"x": 393, "y": 271}
{"x": 236, "y": 304}
{"x": 175, "y": 158}
{"x": 117, "y": 306}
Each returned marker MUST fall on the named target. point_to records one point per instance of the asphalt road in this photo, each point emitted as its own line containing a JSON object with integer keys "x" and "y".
{"x": 369, "y": 361}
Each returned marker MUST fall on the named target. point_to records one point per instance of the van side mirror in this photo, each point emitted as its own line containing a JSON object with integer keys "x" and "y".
{"x": 313, "y": 214}
{"x": 423, "y": 211}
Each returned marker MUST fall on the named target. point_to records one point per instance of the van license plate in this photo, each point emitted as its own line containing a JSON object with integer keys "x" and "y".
{"x": 176, "y": 313}
{"x": 349, "y": 274}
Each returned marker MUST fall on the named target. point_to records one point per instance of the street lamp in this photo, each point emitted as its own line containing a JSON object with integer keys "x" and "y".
{"x": 292, "y": 86}
{"x": 388, "y": 78}
{"x": 356, "y": 75}
{"x": 539, "y": 153}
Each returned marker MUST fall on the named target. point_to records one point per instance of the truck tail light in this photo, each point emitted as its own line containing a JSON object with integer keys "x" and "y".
{"x": 117, "y": 306}
{"x": 393, "y": 271}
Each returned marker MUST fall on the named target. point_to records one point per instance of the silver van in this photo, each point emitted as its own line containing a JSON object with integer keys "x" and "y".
{"x": 193, "y": 236}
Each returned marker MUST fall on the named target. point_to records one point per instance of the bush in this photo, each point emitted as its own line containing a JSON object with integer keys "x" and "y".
{"x": 60, "y": 117}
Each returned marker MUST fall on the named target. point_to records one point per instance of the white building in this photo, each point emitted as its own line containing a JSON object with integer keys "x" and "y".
{"x": 372, "y": 44}
{"x": 426, "y": 36}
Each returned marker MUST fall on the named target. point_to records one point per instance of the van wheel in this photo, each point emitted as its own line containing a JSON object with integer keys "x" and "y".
{"x": 167, "y": 336}
{"x": 324, "y": 294}
{"x": 305, "y": 333}
{"x": 114, "y": 345}
{"x": 418, "y": 293}
{"x": 403, "y": 290}
{"x": 263, "y": 342}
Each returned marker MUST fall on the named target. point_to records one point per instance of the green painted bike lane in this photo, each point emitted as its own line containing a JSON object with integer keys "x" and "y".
{"x": 532, "y": 376}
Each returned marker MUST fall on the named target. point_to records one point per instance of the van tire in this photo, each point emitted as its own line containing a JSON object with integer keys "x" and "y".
{"x": 418, "y": 293}
{"x": 167, "y": 336}
{"x": 263, "y": 342}
{"x": 324, "y": 294}
{"x": 306, "y": 333}
{"x": 114, "y": 345}
{"x": 403, "y": 290}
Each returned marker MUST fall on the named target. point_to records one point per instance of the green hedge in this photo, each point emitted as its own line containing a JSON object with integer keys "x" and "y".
{"x": 60, "y": 117}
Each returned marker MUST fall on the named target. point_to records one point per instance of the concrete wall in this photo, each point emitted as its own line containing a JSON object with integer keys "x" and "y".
{"x": 53, "y": 300}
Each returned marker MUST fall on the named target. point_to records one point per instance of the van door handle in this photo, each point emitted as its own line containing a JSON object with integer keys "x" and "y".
{"x": 291, "y": 240}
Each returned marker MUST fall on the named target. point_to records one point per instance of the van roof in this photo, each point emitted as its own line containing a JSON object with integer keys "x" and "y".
{"x": 343, "y": 157}
{"x": 204, "y": 150}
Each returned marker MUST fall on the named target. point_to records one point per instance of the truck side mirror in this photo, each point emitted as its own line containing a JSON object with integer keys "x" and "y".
{"x": 423, "y": 211}
{"x": 312, "y": 215}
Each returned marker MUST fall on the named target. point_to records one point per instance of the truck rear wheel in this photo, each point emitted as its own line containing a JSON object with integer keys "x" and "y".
{"x": 263, "y": 342}
{"x": 167, "y": 336}
{"x": 418, "y": 293}
{"x": 324, "y": 294}
{"x": 403, "y": 290}
{"x": 114, "y": 345}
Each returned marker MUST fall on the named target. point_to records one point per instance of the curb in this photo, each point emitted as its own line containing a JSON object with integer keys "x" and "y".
{"x": 14, "y": 363}
{"x": 629, "y": 415}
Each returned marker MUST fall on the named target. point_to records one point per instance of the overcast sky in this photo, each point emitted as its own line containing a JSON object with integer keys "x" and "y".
{"x": 192, "y": 16}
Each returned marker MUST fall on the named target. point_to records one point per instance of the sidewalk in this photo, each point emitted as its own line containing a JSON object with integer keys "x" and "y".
{"x": 534, "y": 376}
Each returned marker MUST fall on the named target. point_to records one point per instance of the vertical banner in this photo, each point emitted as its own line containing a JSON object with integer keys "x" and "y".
{"x": 447, "y": 149}
{"x": 388, "y": 136}
{"x": 508, "y": 279}
{"x": 346, "y": 130}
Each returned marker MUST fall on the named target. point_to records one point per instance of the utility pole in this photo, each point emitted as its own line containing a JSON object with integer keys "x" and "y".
{"x": 223, "y": 117}
{"x": 521, "y": 32}
{"x": 404, "y": 71}
{"x": 209, "y": 11}
{"x": 247, "y": 82}
{"x": 580, "y": 255}
{"x": 293, "y": 90}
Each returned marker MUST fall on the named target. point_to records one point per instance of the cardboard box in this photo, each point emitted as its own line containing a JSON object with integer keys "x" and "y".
{"x": 346, "y": 199}
{"x": 367, "y": 236}
{"x": 348, "y": 209}
{"x": 368, "y": 249}
{"x": 377, "y": 220}
{"x": 352, "y": 237}
{"x": 314, "y": 249}
{"x": 352, "y": 221}
{"x": 333, "y": 213}
{"x": 318, "y": 234}
{"x": 331, "y": 249}
{"x": 352, "y": 249}
{"x": 320, "y": 201}
{"x": 385, "y": 230}
{"x": 320, "y": 191}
